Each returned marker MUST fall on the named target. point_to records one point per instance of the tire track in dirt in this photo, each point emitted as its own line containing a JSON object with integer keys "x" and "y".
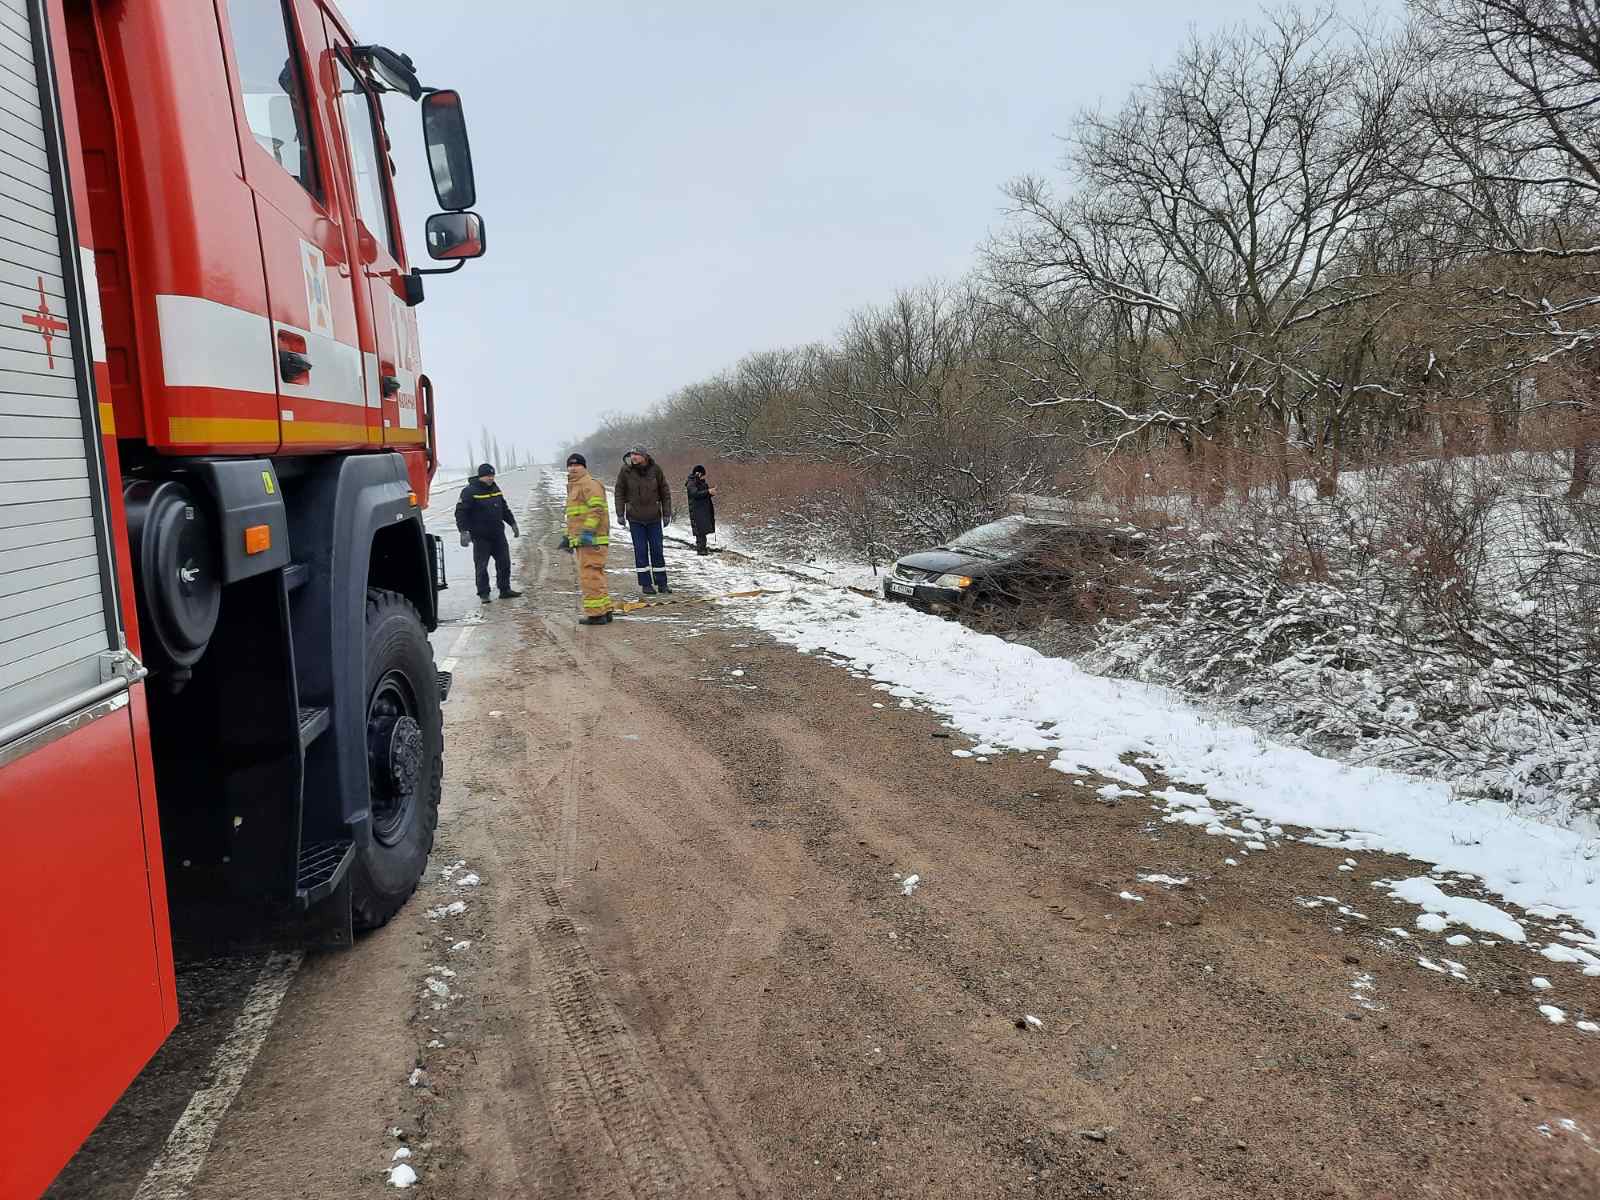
{"x": 612, "y": 1114}
{"x": 665, "y": 1138}
{"x": 746, "y": 973}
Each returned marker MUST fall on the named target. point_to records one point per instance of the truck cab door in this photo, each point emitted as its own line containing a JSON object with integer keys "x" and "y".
{"x": 379, "y": 250}
{"x": 315, "y": 330}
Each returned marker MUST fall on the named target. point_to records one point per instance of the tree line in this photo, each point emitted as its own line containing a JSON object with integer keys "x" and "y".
{"x": 1300, "y": 246}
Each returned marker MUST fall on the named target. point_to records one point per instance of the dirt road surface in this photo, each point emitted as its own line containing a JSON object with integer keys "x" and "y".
{"x": 686, "y": 963}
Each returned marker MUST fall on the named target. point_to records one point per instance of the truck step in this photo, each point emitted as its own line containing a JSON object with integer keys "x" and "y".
{"x": 322, "y": 865}
{"x": 445, "y": 678}
{"x": 313, "y": 724}
{"x": 295, "y": 575}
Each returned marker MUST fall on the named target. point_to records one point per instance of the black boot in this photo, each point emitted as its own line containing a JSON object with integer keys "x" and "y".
{"x": 509, "y": 593}
{"x": 484, "y": 598}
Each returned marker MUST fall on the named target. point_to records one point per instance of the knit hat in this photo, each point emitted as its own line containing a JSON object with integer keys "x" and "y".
{"x": 698, "y": 471}
{"x": 485, "y": 468}
{"x": 577, "y": 460}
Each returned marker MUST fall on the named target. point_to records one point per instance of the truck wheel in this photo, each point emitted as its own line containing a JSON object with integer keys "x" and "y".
{"x": 405, "y": 759}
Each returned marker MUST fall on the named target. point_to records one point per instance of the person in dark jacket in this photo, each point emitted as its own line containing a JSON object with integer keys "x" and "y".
{"x": 643, "y": 499}
{"x": 702, "y": 509}
{"x": 482, "y": 515}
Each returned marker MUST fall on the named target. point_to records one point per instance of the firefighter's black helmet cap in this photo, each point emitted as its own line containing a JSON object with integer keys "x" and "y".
{"x": 577, "y": 460}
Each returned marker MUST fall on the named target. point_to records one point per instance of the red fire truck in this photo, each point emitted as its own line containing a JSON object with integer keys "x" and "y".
{"x": 215, "y": 449}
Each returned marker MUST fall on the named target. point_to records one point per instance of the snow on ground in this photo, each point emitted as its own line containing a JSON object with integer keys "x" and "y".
{"x": 1453, "y": 910}
{"x": 402, "y": 1176}
{"x": 1005, "y": 695}
{"x": 1229, "y": 780}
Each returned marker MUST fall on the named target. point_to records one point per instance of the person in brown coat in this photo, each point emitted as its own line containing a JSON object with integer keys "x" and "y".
{"x": 644, "y": 501}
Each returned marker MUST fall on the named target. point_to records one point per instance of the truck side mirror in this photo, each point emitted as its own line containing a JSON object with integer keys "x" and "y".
{"x": 444, "y": 132}
{"x": 454, "y": 236}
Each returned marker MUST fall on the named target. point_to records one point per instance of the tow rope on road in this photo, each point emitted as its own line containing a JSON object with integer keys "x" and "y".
{"x": 629, "y": 606}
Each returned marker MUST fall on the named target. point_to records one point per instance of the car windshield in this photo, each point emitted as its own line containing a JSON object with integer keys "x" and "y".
{"x": 999, "y": 537}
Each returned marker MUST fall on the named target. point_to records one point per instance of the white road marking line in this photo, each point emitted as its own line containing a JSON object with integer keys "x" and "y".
{"x": 449, "y": 664}
{"x": 461, "y": 638}
{"x": 180, "y": 1160}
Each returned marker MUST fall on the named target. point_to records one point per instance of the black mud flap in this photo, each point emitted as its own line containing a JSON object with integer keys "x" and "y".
{"x": 329, "y": 924}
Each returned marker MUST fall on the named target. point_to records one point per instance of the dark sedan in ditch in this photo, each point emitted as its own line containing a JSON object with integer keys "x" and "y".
{"x": 1005, "y": 566}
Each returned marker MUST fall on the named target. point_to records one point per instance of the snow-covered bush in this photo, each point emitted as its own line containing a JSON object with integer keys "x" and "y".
{"x": 1442, "y": 618}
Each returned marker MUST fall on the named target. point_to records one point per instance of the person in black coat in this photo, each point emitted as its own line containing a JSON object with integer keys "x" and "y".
{"x": 702, "y": 509}
{"x": 482, "y": 515}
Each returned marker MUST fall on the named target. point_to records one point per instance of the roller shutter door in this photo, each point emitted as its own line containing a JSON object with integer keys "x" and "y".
{"x": 56, "y": 616}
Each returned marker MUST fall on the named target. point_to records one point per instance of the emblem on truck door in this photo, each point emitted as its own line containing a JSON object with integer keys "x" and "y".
{"x": 48, "y": 325}
{"x": 315, "y": 268}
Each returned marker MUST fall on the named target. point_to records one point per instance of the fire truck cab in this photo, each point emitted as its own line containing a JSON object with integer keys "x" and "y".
{"x": 216, "y": 445}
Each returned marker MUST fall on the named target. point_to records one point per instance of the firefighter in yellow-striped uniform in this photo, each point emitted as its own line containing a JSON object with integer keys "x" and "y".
{"x": 589, "y": 536}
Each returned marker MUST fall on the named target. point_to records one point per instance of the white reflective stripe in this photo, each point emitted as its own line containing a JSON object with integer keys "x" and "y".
{"x": 206, "y": 344}
{"x": 335, "y": 370}
{"x": 407, "y": 398}
{"x": 91, "y": 297}
{"x": 374, "y": 396}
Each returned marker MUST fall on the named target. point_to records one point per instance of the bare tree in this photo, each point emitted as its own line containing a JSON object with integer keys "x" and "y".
{"x": 1509, "y": 113}
{"x": 1220, "y": 216}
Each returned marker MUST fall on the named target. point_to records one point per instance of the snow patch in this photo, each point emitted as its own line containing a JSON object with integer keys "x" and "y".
{"x": 1454, "y": 910}
{"x": 402, "y": 1176}
{"x": 1570, "y": 954}
{"x": 1010, "y": 695}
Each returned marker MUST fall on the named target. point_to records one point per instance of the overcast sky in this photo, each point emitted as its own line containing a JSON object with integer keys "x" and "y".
{"x": 669, "y": 186}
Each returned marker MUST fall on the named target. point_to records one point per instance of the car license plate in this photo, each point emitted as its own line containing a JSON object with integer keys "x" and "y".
{"x": 900, "y": 589}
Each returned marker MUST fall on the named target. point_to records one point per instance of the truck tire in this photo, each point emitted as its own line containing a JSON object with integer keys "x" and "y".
{"x": 405, "y": 759}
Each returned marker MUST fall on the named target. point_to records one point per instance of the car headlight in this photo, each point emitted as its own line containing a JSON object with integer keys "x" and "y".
{"x": 952, "y": 581}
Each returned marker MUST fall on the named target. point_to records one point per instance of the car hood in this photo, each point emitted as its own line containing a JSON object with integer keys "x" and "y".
{"x": 946, "y": 562}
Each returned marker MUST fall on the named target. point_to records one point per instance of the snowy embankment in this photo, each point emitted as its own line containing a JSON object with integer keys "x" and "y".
{"x": 1229, "y": 780}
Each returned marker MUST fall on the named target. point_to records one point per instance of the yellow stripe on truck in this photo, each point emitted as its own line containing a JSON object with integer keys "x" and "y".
{"x": 108, "y": 418}
{"x": 221, "y": 430}
{"x": 323, "y": 431}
